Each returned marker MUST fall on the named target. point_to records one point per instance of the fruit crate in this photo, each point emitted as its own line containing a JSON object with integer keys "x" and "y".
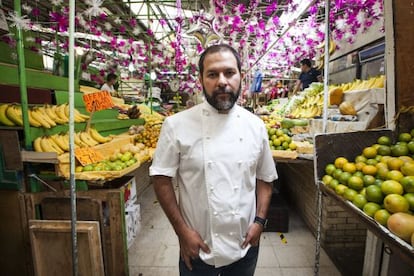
{"x": 349, "y": 145}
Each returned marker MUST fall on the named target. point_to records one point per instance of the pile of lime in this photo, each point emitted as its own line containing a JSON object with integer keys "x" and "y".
{"x": 380, "y": 180}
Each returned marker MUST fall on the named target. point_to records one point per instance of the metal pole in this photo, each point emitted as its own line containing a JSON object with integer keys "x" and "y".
{"x": 22, "y": 78}
{"x": 325, "y": 108}
{"x": 71, "y": 134}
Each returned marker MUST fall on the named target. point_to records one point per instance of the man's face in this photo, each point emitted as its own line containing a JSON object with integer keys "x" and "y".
{"x": 221, "y": 80}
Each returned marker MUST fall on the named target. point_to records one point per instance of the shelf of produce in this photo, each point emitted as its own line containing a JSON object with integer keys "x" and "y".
{"x": 397, "y": 245}
{"x": 104, "y": 126}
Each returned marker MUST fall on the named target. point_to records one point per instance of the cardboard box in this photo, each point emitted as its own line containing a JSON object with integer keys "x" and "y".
{"x": 132, "y": 222}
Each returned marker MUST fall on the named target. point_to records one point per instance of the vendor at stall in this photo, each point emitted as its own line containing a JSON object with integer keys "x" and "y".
{"x": 111, "y": 79}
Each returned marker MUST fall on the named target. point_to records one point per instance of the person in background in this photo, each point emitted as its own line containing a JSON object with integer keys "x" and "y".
{"x": 219, "y": 154}
{"x": 307, "y": 76}
{"x": 111, "y": 79}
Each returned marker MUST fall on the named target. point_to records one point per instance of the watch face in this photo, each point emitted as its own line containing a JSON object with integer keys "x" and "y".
{"x": 174, "y": 85}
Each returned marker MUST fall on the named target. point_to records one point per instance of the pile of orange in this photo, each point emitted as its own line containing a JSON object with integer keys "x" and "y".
{"x": 380, "y": 180}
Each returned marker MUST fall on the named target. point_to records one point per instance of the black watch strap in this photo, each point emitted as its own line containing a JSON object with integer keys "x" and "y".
{"x": 261, "y": 221}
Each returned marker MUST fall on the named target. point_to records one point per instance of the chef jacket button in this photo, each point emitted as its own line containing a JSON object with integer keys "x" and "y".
{"x": 211, "y": 188}
{"x": 231, "y": 233}
{"x": 208, "y": 137}
{"x": 236, "y": 187}
{"x": 215, "y": 213}
{"x": 241, "y": 139}
{"x": 216, "y": 235}
{"x": 233, "y": 213}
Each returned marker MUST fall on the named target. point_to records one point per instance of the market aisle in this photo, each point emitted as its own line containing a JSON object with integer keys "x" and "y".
{"x": 155, "y": 249}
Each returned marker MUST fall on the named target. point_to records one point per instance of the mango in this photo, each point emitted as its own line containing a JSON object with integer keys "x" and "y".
{"x": 402, "y": 225}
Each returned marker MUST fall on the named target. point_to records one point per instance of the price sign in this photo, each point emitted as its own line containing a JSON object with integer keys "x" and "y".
{"x": 87, "y": 155}
{"x": 98, "y": 101}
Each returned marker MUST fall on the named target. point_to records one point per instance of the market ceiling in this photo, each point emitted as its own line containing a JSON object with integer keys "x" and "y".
{"x": 121, "y": 32}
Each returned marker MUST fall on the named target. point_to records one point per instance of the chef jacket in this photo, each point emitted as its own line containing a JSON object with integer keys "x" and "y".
{"x": 216, "y": 159}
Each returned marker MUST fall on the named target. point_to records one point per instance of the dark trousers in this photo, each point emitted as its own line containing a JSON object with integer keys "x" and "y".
{"x": 243, "y": 267}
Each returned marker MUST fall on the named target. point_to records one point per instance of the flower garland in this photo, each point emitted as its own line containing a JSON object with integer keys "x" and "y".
{"x": 254, "y": 26}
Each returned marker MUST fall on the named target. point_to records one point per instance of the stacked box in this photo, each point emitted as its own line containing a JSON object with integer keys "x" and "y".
{"x": 278, "y": 215}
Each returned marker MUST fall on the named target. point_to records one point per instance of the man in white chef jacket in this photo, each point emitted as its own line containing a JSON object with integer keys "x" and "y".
{"x": 220, "y": 156}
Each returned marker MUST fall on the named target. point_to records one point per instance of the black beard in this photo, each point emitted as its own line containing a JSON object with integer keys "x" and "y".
{"x": 218, "y": 104}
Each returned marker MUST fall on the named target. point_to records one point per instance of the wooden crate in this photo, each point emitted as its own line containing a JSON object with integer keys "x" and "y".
{"x": 52, "y": 247}
{"x": 111, "y": 202}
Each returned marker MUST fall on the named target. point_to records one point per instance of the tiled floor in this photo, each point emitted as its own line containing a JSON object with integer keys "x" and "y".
{"x": 155, "y": 249}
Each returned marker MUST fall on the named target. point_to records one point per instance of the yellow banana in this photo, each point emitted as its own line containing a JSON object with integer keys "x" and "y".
{"x": 32, "y": 120}
{"x": 48, "y": 146}
{"x": 60, "y": 112}
{"x": 4, "y": 120}
{"x": 39, "y": 117}
{"x": 14, "y": 113}
{"x": 51, "y": 112}
{"x": 58, "y": 140}
{"x": 78, "y": 141}
{"x": 43, "y": 113}
{"x": 332, "y": 46}
{"x": 82, "y": 117}
{"x": 98, "y": 137}
{"x": 36, "y": 144}
{"x": 87, "y": 139}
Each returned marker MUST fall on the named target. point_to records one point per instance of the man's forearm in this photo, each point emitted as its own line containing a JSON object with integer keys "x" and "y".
{"x": 264, "y": 195}
{"x": 164, "y": 191}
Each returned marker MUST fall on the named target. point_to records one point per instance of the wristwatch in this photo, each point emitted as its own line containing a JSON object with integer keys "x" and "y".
{"x": 261, "y": 221}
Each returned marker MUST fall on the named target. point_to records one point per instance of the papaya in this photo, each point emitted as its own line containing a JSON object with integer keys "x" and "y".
{"x": 347, "y": 108}
{"x": 336, "y": 96}
{"x": 402, "y": 225}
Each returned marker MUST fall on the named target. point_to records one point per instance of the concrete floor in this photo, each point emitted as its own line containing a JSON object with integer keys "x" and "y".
{"x": 155, "y": 250}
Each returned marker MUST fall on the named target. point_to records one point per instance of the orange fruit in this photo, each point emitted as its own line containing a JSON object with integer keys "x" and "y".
{"x": 356, "y": 183}
{"x": 349, "y": 167}
{"x": 369, "y": 169}
{"x": 370, "y": 208}
{"x": 382, "y": 172}
{"x": 344, "y": 177}
{"x": 396, "y": 203}
{"x": 371, "y": 161}
{"x": 406, "y": 158}
{"x": 326, "y": 179}
{"x": 395, "y": 175}
{"x": 360, "y": 158}
{"x": 399, "y": 150}
{"x": 329, "y": 169}
{"x": 407, "y": 168}
{"x": 349, "y": 194}
{"x": 391, "y": 187}
{"x": 408, "y": 183}
{"x": 368, "y": 180}
{"x": 410, "y": 146}
{"x": 358, "y": 173}
{"x": 384, "y": 150}
{"x": 337, "y": 173}
{"x": 340, "y": 189}
{"x": 359, "y": 165}
{"x": 404, "y": 137}
{"x": 340, "y": 162}
{"x": 385, "y": 158}
{"x": 410, "y": 198}
{"x": 384, "y": 140}
{"x": 359, "y": 201}
{"x": 373, "y": 193}
{"x": 369, "y": 152}
{"x": 333, "y": 183}
{"x": 394, "y": 163}
{"x": 381, "y": 216}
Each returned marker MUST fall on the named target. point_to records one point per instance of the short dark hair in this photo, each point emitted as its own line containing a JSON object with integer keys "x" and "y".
{"x": 306, "y": 61}
{"x": 215, "y": 49}
{"x": 111, "y": 76}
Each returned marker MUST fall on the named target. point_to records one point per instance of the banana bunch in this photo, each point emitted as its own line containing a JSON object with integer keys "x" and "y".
{"x": 332, "y": 49}
{"x": 46, "y": 116}
{"x": 357, "y": 84}
{"x": 59, "y": 142}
